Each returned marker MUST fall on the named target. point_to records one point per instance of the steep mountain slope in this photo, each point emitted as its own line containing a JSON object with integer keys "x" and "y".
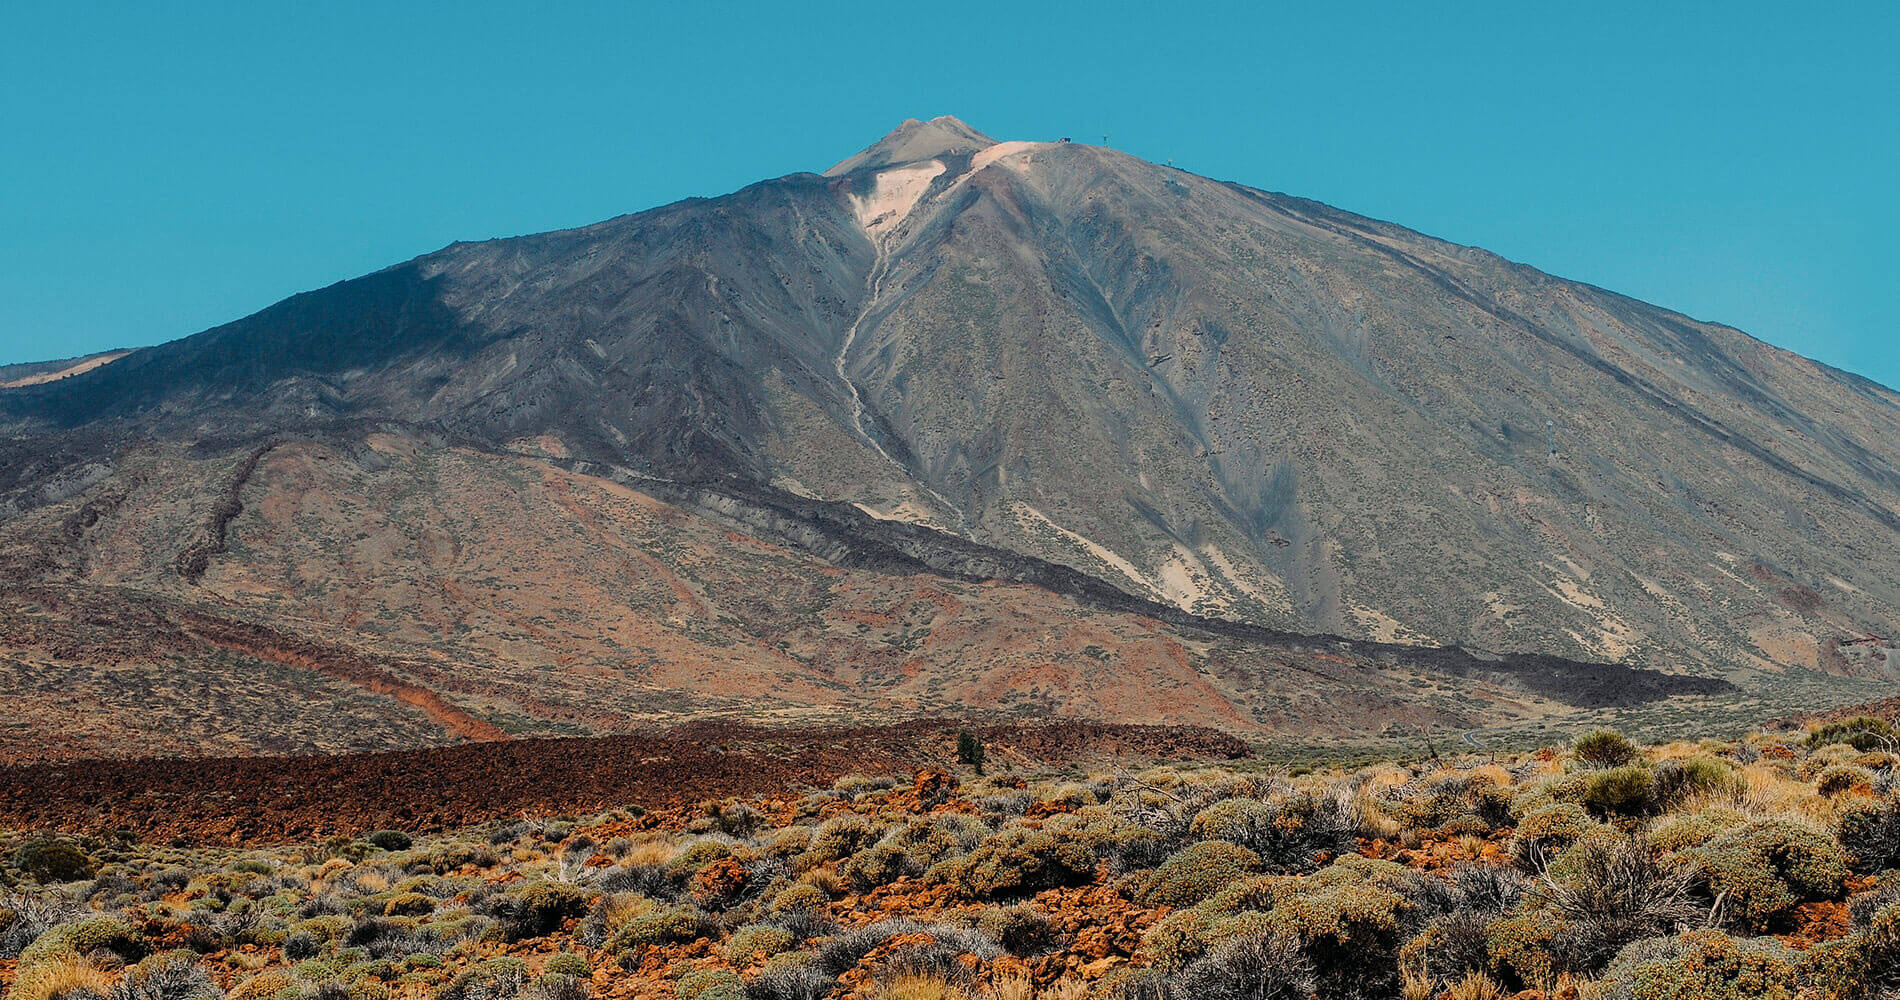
{"x": 1027, "y": 356}
{"x": 391, "y": 592}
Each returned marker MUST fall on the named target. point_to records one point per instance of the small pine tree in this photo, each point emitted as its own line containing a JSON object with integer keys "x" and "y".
{"x": 970, "y": 750}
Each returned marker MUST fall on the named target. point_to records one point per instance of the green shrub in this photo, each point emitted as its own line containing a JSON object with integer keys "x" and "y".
{"x": 1197, "y": 872}
{"x": 51, "y": 860}
{"x": 567, "y": 963}
{"x": 1294, "y": 835}
{"x": 1605, "y": 748}
{"x": 1020, "y": 861}
{"x": 408, "y": 904}
{"x": 1678, "y": 781}
{"x": 709, "y": 984}
{"x": 533, "y": 909}
{"x": 1179, "y": 938}
{"x": 666, "y": 925}
{"x": 1546, "y": 832}
{"x": 1841, "y": 778}
{"x": 1690, "y": 830}
{"x": 81, "y": 938}
{"x": 702, "y": 853}
{"x": 1701, "y": 965}
{"x": 879, "y": 865}
{"x": 1869, "y": 830}
{"x": 1621, "y": 791}
{"x": 1526, "y": 949}
{"x": 838, "y": 838}
{"x": 1861, "y": 732}
{"x": 391, "y": 840}
{"x": 970, "y": 750}
{"x": 757, "y": 942}
{"x": 1350, "y": 920}
{"x": 1768, "y": 867}
{"x": 1019, "y": 929}
{"x": 799, "y": 896}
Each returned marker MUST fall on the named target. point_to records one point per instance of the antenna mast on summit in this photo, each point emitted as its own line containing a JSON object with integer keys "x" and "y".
{"x": 1550, "y": 432}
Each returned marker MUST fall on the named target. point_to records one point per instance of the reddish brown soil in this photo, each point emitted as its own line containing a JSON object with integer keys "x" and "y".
{"x": 251, "y": 800}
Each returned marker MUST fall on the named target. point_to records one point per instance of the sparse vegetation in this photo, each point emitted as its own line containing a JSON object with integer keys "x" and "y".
{"x": 1600, "y": 870}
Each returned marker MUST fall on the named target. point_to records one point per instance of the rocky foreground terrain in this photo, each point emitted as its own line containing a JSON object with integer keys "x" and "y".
{"x": 1062, "y": 862}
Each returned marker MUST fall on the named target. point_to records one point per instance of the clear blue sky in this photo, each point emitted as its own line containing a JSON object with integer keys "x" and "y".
{"x": 167, "y": 167}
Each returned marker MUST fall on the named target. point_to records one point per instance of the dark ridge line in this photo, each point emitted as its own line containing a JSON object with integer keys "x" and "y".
{"x": 192, "y": 560}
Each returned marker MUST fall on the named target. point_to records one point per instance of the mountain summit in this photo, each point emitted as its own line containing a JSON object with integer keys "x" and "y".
{"x": 915, "y": 141}
{"x": 662, "y": 448}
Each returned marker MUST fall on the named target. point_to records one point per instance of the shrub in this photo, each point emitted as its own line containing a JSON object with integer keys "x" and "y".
{"x": 1677, "y": 781}
{"x": 171, "y": 976}
{"x": 1700, "y": 965}
{"x": 1862, "y": 732}
{"x": 1254, "y": 967}
{"x": 391, "y": 840}
{"x": 1621, "y": 791}
{"x": 970, "y": 750}
{"x": 709, "y": 984}
{"x": 567, "y": 963}
{"x": 1869, "y": 830}
{"x": 1451, "y": 946}
{"x": 557, "y": 986}
{"x": 879, "y": 865}
{"x": 82, "y": 938}
{"x": 1294, "y": 836}
{"x": 492, "y": 979}
{"x": 1350, "y": 920}
{"x": 1198, "y": 872}
{"x": 1767, "y": 867}
{"x": 1841, "y": 778}
{"x": 1605, "y": 748}
{"x": 1611, "y": 890}
{"x": 533, "y": 909}
{"x": 757, "y": 942}
{"x": 838, "y": 838}
{"x": 798, "y": 979}
{"x": 666, "y": 925}
{"x": 50, "y": 860}
{"x": 1019, "y": 861}
{"x": 408, "y": 904}
{"x": 799, "y": 896}
{"x": 1020, "y": 930}
{"x": 1684, "y": 832}
{"x": 1526, "y": 949}
{"x": 1865, "y": 964}
{"x": 1547, "y": 832}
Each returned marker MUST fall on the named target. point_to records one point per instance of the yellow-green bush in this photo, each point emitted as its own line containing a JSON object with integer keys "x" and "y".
{"x": 1629, "y": 790}
{"x": 1769, "y": 866}
{"x": 81, "y": 938}
{"x": 1019, "y": 861}
{"x": 1197, "y": 872}
{"x": 1701, "y": 965}
{"x": 1544, "y": 833}
{"x": 757, "y": 942}
{"x": 1604, "y": 748}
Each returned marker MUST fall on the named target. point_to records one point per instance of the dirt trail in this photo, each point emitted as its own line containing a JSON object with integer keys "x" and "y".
{"x": 265, "y": 644}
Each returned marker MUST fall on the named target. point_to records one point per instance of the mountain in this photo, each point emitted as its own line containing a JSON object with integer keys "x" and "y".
{"x": 958, "y": 424}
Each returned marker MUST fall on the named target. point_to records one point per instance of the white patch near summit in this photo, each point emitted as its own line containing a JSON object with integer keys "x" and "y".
{"x": 894, "y": 193}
